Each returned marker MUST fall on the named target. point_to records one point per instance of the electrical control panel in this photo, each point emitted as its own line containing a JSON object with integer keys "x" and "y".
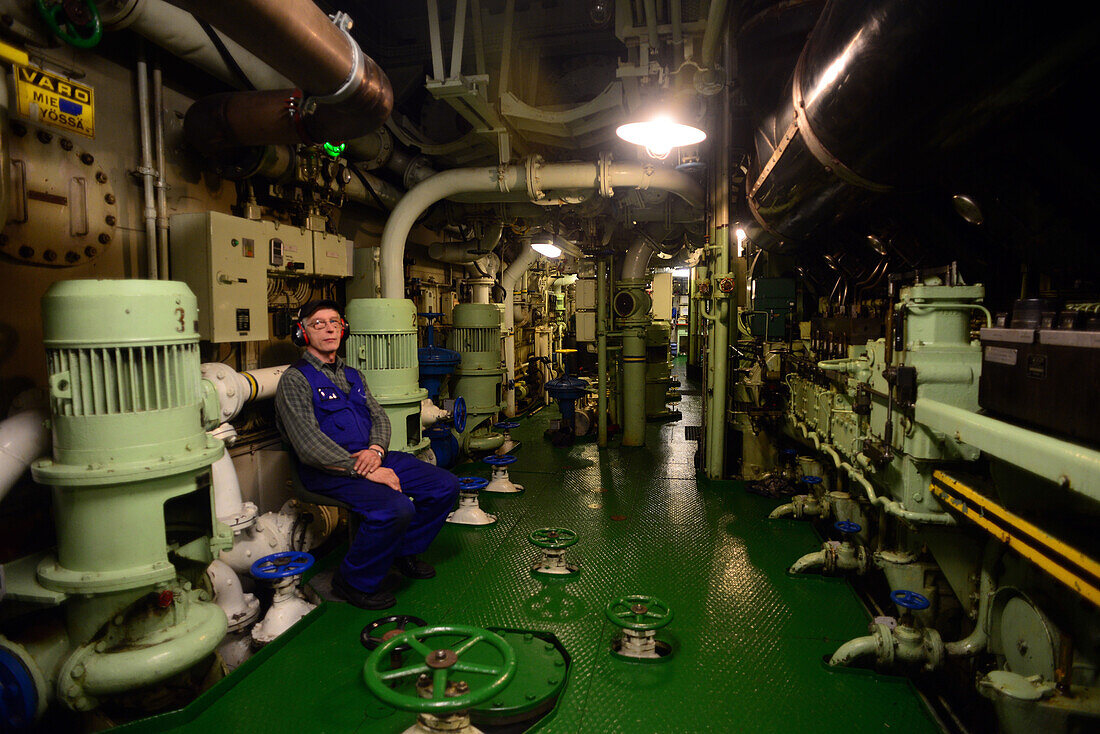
{"x": 332, "y": 255}
{"x": 289, "y": 249}
{"x": 224, "y": 260}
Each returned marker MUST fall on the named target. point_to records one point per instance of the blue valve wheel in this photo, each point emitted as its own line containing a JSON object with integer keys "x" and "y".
{"x": 501, "y": 460}
{"x": 811, "y": 479}
{"x": 430, "y": 315}
{"x": 788, "y": 452}
{"x": 847, "y": 526}
{"x": 506, "y": 425}
{"x": 910, "y": 599}
{"x": 18, "y": 695}
{"x": 282, "y": 565}
{"x": 458, "y": 414}
{"x": 472, "y": 484}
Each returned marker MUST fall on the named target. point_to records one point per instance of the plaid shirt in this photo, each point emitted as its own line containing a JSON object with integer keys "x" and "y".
{"x": 297, "y": 422}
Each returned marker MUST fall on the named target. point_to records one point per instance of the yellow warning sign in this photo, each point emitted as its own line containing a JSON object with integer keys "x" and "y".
{"x": 55, "y": 100}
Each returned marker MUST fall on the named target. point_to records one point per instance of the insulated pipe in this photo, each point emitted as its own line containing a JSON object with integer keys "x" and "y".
{"x": 715, "y": 32}
{"x": 182, "y": 35}
{"x": 297, "y": 39}
{"x": 382, "y": 193}
{"x": 499, "y": 183}
{"x": 508, "y": 282}
{"x": 786, "y": 510}
{"x": 637, "y": 259}
{"x": 228, "y": 501}
{"x": 24, "y": 437}
{"x": 858, "y": 117}
{"x": 160, "y": 185}
{"x": 467, "y": 252}
{"x": 651, "y": 24}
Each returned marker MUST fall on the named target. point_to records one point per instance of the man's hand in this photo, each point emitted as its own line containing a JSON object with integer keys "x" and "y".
{"x": 366, "y": 461}
{"x": 382, "y": 475}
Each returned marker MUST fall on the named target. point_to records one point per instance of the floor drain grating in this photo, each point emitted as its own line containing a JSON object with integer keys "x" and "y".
{"x": 692, "y": 433}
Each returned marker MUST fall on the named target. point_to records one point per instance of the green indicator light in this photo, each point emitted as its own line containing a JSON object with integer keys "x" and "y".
{"x": 335, "y": 150}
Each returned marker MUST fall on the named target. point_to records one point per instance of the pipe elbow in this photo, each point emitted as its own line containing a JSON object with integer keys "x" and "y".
{"x": 786, "y": 510}
{"x": 808, "y": 562}
{"x": 854, "y": 650}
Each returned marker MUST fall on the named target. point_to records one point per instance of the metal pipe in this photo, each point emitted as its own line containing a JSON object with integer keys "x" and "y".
{"x": 160, "y": 185}
{"x": 467, "y": 252}
{"x": 508, "y": 281}
{"x": 712, "y": 37}
{"x": 297, "y": 39}
{"x": 601, "y": 349}
{"x": 182, "y": 35}
{"x": 1070, "y": 465}
{"x": 24, "y": 437}
{"x": 853, "y": 650}
{"x": 146, "y": 170}
{"x": 977, "y": 640}
{"x": 808, "y": 562}
{"x": 637, "y": 259}
{"x": 498, "y": 183}
{"x": 786, "y": 510}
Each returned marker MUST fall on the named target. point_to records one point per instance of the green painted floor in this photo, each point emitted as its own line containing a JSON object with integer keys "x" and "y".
{"x": 748, "y": 639}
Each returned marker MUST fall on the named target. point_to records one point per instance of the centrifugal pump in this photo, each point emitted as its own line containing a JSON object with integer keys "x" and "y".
{"x": 131, "y": 499}
{"x": 382, "y": 345}
{"x": 475, "y": 335}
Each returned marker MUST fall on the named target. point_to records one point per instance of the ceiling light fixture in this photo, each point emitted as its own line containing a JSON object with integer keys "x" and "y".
{"x": 660, "y": 135}
{"x": 546, "y": 248}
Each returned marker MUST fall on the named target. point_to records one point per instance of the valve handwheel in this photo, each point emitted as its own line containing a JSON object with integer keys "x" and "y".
{"x": 910, "y": 599}
{"x": 811, "y": 479}
{"x": 79, "y": 17}
{"x": 282, "y": 565}
{"x": 499, "y": 459}
{"x": 638, "y": 612}
{"x": 458, "y": 414}
{"x": 847, "y": 526}
{"x": 402, "y": 622}
{"x": 441, "y": 664}
{"x": 472, "y": 484}
{"x": 552, "y": 538}
{"x": 506, "y": 425}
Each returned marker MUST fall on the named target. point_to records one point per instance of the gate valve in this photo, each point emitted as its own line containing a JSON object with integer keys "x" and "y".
{"x": 726, "y": 284}
{"x": 440, "y": 700}
{"x": 703, "y": 288}
{"x": 469, "y": 512}
{"x": 639, "y": 616}
{"x": 553, "y": 542}
{"x": 847, "y": 555}
{"x": 500, "y": 481}
{"x": 893, "y": 642}
{"x": 809, "y": 504}
{"x": 506, "y": 427}
{"x": 287, "y": 603}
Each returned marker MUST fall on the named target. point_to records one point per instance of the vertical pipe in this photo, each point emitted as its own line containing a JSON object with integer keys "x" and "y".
{"x": 161, "y": 186}
{"x": 147, "y": 164}
{"x": 693, "y": 318}
{"x": 479, "y": 39}
{"x": 651, "y": 23}
{"x": 633, "y": 362}
{"x": 601, "y": 349}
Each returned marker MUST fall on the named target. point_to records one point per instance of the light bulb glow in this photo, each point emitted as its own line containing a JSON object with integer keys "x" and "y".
{"x": 660, "y": 135}
{"x": 547, "y": 249}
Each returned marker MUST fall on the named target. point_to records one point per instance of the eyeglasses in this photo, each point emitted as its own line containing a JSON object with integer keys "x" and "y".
{"x": 319, "y": 324}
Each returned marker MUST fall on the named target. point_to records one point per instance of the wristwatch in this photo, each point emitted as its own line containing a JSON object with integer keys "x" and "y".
{"x": 380, "y": 452}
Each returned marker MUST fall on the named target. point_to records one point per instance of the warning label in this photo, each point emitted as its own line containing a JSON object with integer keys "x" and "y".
{"x": 54, "y": 100}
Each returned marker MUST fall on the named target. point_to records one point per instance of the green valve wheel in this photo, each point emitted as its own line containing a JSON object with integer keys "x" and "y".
{"x": 638, "y": 612}
{"x": 552, "y": 538}
{"x": 441, "y": 664}
{"x": 80, "y": 19}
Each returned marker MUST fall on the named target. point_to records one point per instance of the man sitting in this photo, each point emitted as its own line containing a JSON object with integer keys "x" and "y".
{"x": 340, "y": 435}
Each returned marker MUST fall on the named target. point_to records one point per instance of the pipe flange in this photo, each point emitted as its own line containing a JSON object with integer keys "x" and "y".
{"x": 607, "y": 190}
{"x": 534, "y": 163}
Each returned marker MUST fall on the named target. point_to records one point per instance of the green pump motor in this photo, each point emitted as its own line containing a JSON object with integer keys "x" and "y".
{"x": 132, "y": 499}
{"x": 476, "y": 337}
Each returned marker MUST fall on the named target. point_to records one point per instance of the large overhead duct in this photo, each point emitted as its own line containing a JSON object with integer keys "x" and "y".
{"x": 353, "y": 95}
{"x": 532, "y": 179}
{"x": 859, "y": 115}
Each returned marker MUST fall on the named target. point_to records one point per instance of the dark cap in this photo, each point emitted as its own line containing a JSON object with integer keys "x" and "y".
{"x": 312, "y": 307}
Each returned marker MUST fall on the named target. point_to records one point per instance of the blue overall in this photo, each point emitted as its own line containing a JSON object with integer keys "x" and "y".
{"x": 393, "y": 523}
